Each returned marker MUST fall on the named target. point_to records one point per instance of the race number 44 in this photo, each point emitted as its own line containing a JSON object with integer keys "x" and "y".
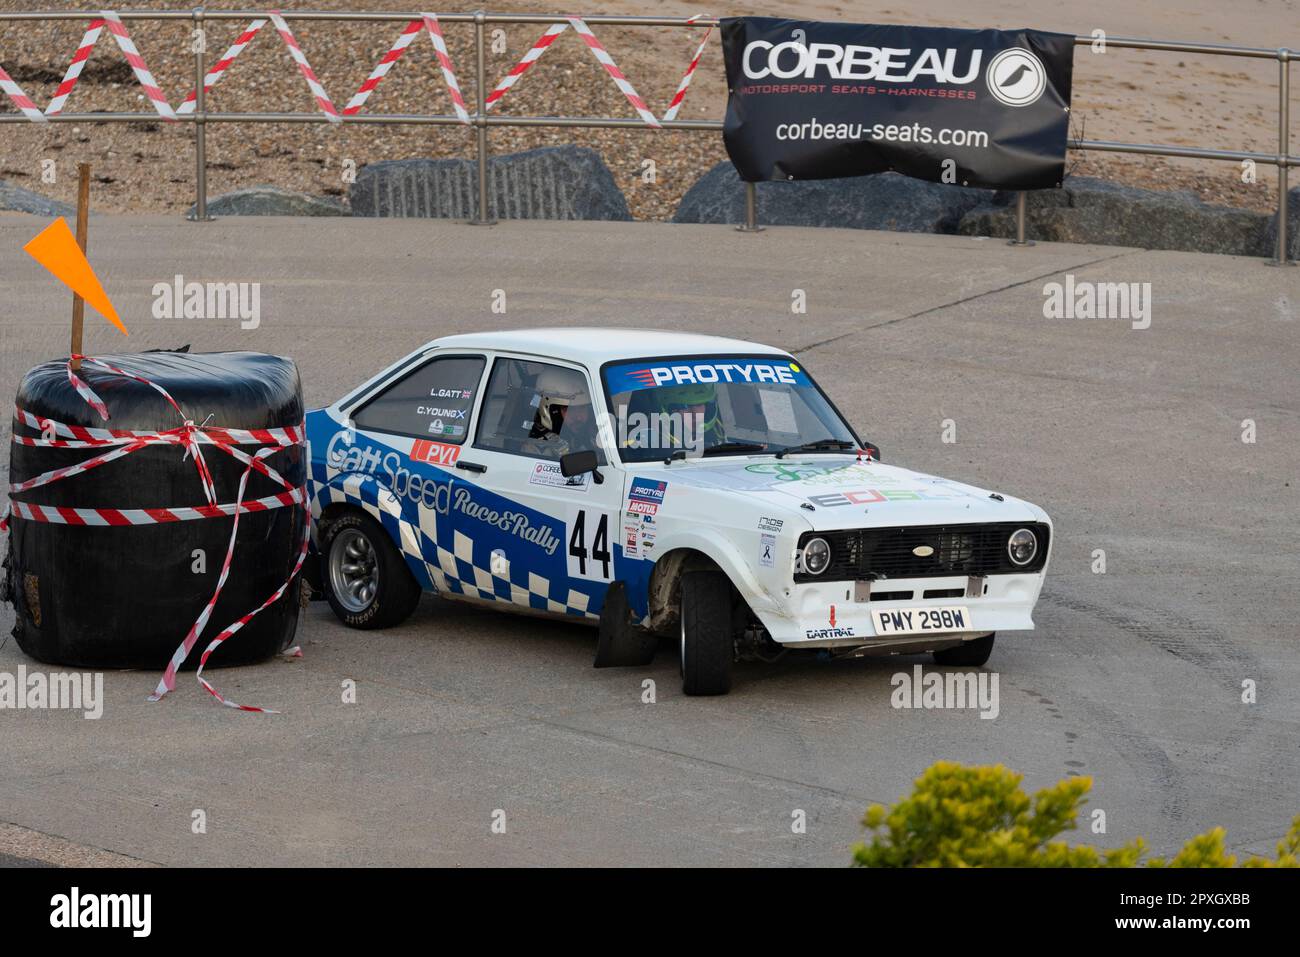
{"x": 588, "y": 549}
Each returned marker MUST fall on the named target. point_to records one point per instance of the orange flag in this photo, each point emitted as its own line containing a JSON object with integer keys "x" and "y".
{"x": 56, "y": 249}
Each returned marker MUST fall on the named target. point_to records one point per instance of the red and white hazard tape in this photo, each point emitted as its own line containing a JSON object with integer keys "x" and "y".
{"x": 220, "y": 67}
{"x": 429, "y": 23}
{"x": 127, "y": 46}
{"x": 675, "y": 106}
{"x": 75, "y": 67}
{"x": 20, "y": 99}
{"x": 603, "y": 57}
{"x": 522, "y": 67}
{"x": 623, "y": 83}
{"x": 88, "y": 436}
{"x": 322, "y": 98}
{"x": 444, "y": 61}
{"x": 191, "y": 437}
{"x": 409, "y": 33}
{"x": 168, "y": 681}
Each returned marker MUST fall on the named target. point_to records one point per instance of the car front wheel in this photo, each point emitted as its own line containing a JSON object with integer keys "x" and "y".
{"x": 707, "y": 647}
{"x": 366, "y": 582}
{"x": 973, "y": 653}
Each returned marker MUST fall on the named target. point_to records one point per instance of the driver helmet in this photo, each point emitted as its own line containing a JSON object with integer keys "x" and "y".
{"x": 556, "y": 390}
{"x": 679, "y": 398}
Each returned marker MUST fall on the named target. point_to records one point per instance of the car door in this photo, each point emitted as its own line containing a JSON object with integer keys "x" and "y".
{"x": 534, "y": 537}
{"x": 406, "y": 440}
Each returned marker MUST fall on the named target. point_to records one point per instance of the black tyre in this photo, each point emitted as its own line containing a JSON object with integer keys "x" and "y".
{"x": 365, "y": 579}
{"x": 707, "y": 642}
{"x": 973, "y": 653}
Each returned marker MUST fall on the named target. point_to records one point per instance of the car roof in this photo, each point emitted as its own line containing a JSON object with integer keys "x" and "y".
{"x": 594, "y": 345}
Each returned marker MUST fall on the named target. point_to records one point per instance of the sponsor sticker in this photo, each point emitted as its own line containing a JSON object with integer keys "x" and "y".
{"x": 631, "y": 537}
{"x": 548, "y": 474}
{"x": 634, "y": 376}
{"x": 767, "y": 550}
{"x": 818, "y": 633}
{"x": 438, "y": 427}
{"x": 766, "y": 524}
{"x": 871, "y": 495}
{"x": 645, "y": 496}
{"x": 435, "y": 453}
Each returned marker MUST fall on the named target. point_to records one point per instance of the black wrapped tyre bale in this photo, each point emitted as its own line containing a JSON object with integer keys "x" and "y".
{"x": 126, "y": 596}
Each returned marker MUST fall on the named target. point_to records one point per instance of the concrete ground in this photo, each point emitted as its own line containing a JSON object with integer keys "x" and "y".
{"x": 1130, "y": 438}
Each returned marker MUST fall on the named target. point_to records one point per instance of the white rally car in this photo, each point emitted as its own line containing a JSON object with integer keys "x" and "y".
{"x": 654, "y": 484}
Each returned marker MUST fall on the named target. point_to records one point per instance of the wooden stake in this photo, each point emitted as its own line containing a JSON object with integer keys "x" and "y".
{"x": 79, "y": 304}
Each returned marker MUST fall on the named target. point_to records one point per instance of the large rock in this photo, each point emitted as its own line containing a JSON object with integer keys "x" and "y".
{"x": 25, "y": 201}
{"x": 553, "y": 182}
{"x": 1090, "y": 210}
{"x": 272, "y": 201}
{"x": 1292, "y": 226}
{"x": 882, "y": 201}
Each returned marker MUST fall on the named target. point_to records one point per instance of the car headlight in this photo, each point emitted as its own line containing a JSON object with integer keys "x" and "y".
{"x": 816, "y": 556}
{"x": 1022, "y": 546}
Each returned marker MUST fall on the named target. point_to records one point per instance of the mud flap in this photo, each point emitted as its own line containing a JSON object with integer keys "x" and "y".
{"x": 621, "y": 643}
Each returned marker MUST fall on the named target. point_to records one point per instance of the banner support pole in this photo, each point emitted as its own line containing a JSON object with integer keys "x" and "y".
{"x": 199, "y": 38}
{"x": 750, "y": 225}
{"x": 1020, "y": 223}
{"x": 1281, "y": 256}
{"x": 481, "y": 216}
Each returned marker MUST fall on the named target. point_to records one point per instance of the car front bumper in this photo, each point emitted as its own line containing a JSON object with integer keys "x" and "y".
{"x": 838, "y": 614}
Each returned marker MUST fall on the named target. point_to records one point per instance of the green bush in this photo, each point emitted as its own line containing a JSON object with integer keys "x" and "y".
{"x": 960, "y": 816}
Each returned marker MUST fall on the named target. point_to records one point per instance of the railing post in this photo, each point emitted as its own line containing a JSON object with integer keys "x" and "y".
{"x": 1281, "y": 255}
{"x": 1021, "y": 205}
{"x": 482, "y": 216}
{"x": 750, "y": 225}
{"x": 200, "y": 214}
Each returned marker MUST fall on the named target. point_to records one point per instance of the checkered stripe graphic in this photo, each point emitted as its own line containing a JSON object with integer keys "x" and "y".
{"x": 445, "y": 570}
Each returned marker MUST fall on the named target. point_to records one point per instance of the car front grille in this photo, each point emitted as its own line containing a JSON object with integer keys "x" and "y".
{"x": 871, "y": 554}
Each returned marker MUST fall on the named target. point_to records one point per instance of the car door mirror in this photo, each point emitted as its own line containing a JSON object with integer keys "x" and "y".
{"x": 579, "y": 463}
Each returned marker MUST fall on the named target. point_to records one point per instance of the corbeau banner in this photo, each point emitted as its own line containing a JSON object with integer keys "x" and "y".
{"x": 811, "y": 100}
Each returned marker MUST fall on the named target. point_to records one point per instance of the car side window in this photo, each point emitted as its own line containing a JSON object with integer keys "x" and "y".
{"x": 433, "y": 402}
{"x": 537, "y": 409}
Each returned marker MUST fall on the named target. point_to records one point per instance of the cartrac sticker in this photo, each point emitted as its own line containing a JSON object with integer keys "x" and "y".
{"x": 548, "y": 474}
{"x": 818, "y": 633}
{"x": 435, "y": 453}
{"x": 767, "y": 550}
{"x": 645, "y": 496}
{"x": 633, "y": 376}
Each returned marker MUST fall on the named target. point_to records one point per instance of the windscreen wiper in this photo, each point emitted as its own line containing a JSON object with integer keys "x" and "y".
{"x": 735, "y": 447}
{"x": 821, "y": 445}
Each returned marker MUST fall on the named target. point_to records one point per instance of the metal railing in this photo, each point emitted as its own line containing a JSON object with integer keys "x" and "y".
{"x": 480, "y": 120}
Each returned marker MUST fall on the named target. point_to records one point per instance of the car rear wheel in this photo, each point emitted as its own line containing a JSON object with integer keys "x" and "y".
{"x": 366, "y": 581}
{"x": 973, "y": 653}
{"x": 707, "y": 646}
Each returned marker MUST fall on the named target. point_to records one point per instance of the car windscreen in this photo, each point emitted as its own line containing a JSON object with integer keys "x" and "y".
{"x": 717, "y": 405}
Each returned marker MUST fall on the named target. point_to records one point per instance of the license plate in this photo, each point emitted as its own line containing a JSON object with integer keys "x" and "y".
{"x": 920, "y": 621}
